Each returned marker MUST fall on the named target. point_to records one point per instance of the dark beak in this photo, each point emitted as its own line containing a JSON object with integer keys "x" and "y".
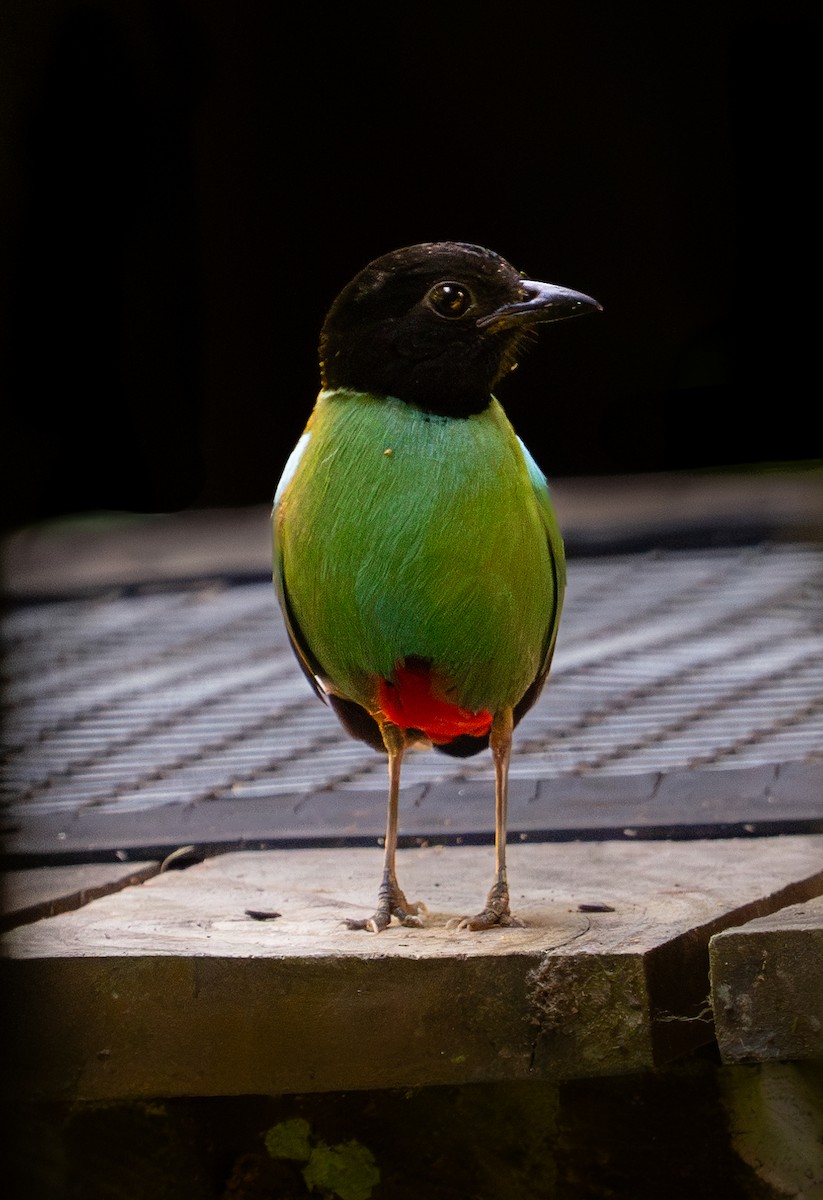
{"x": 540, "y": 302}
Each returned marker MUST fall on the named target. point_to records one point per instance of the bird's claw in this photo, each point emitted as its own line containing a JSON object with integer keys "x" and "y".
{"x": 374, "y": 924}
{"x": 496, "y": 913}
{"x": 489, "y": 918}
{"x": 407, "y": 914}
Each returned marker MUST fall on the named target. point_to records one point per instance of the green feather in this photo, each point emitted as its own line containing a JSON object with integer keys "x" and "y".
{"x": 403, "y": 533}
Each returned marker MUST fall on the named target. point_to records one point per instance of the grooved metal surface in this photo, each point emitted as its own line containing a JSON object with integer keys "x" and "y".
{"x": 669, "y": 659}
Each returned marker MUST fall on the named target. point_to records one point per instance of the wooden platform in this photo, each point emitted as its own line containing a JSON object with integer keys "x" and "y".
{"x": 666, "y": 819}
{"x": 237, "y": 976}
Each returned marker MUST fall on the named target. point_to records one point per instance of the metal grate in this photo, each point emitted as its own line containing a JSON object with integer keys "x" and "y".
{"x": 667, "y": 659}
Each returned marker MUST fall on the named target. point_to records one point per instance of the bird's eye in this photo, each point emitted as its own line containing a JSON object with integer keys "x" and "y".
{"x": 450, "y": 300}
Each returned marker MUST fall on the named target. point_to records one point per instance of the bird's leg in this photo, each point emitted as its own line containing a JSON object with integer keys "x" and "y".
{"x": 497, "y": 911}
{"x": 390, "y": 899}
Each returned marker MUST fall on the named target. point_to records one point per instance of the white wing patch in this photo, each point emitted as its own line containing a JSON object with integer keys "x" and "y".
{"x": 535, "y": 474}
{"x": 292, "y": 463}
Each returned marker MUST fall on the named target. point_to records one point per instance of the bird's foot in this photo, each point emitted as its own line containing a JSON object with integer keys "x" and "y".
{"x": 391, "y": 902}
{"x": 489, "y": 918}
{"x": 496, "y": 913}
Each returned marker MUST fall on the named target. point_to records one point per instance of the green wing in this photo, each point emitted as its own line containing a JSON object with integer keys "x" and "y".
{"x": 309, "y": 665}
{"x": 557, "y": 556}
{"x": 355, "y": 719}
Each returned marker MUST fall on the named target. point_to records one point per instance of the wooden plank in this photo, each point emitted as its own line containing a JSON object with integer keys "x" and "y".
{"x": 173, "y": 988}
{"x": 29, "y": 895}
{"x": 767, "y": 986}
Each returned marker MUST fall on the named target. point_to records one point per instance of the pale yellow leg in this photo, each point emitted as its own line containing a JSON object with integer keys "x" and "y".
{"x": 497, "y": 910}
{"x": 390, "y": 898}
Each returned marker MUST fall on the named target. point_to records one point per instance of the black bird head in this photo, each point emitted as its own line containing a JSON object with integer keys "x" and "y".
{"x": 437, "y": 325}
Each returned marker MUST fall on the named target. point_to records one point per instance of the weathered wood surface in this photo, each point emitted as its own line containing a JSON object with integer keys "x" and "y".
{"x": 32, "y": 894}
{"x": 767, "y": 985}
{"x": 172, "y": 988}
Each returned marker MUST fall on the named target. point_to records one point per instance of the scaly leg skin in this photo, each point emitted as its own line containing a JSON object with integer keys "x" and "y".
{"x": 390, "y": 899}
{"x": 390, "y": 902}
{"x": 497, "y": 910}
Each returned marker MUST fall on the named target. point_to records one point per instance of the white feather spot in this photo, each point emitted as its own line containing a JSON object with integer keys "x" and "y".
{"x": 537, "y": 477}
{"x": 292, "y": 463}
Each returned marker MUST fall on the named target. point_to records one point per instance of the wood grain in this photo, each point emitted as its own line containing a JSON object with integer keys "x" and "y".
{"x": 171, "y": 988}
{"x": 767, "y": 984}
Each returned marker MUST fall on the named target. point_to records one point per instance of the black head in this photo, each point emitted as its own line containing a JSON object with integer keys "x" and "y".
{"x": 436, "y": 325}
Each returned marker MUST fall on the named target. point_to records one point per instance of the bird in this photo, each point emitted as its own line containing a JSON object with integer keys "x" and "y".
{"x": 417, "y": 557}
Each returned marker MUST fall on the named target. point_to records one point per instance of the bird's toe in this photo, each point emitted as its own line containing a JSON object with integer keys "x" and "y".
{"x": 407, "y": 914}
{"x": 411, "y": 914}
{"x": 353, "y": 923}
{"x": 489, "y": 918}
{"x": 374, "y": 924}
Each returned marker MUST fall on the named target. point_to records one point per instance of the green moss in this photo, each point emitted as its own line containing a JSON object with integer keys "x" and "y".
{"x": 290, "y": 1139}
{"x": 347, "y": 1170}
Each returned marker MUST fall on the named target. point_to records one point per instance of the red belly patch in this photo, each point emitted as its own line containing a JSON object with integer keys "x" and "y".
{"x": 409, "y": 703}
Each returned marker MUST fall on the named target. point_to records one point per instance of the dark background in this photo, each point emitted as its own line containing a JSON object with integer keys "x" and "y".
{"x": 187, "y": 184}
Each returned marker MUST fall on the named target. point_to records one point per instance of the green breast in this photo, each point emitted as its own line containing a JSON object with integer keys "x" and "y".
{"x": 404, "y": 533}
